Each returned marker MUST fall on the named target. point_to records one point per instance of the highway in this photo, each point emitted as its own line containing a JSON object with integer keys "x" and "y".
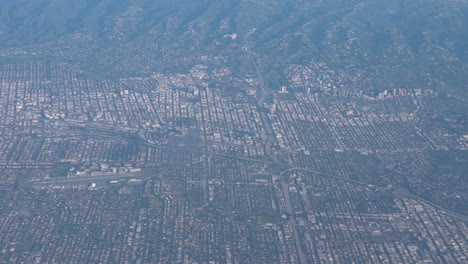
{"x": 271, "y": 138}
{"x": 407, "y": 194}
{"x": 264, "y": 92}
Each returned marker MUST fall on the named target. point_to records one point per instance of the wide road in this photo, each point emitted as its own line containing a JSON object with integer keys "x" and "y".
{"x": 271, "y": 138}
{"x": 405, "y": 193}
{"x": 264, "y": 92}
